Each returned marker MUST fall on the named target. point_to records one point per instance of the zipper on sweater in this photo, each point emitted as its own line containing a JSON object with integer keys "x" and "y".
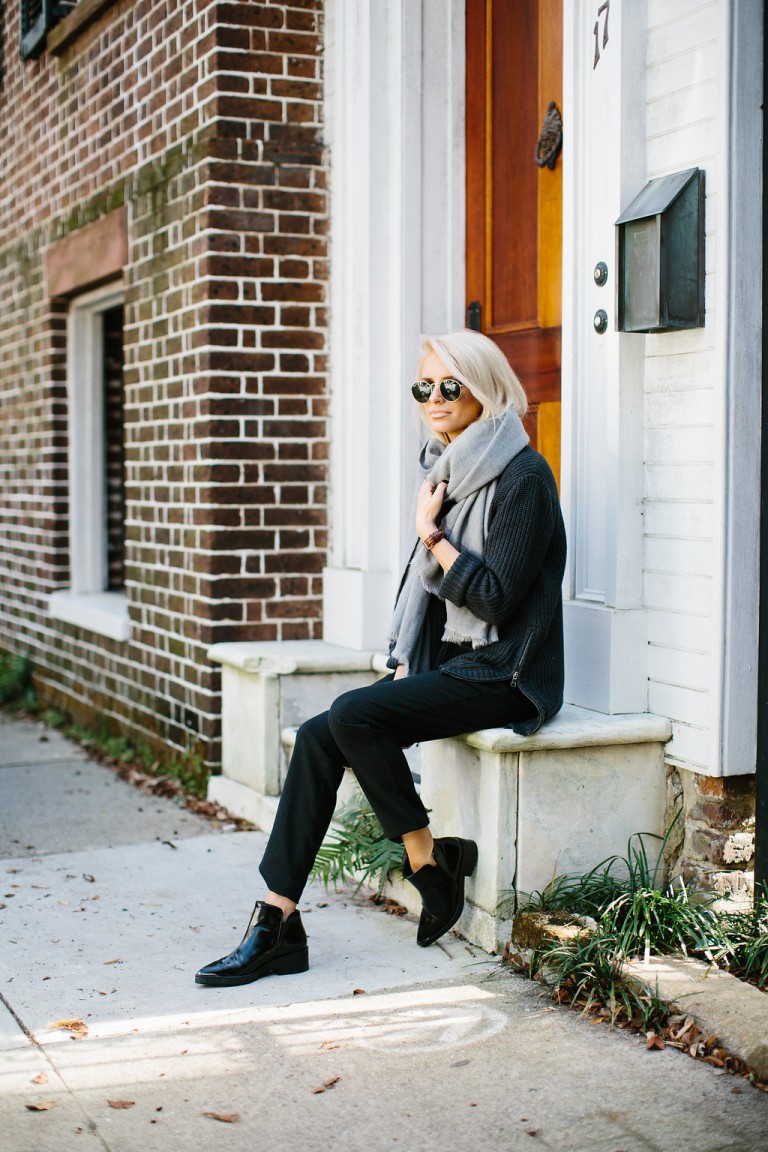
{"x": 516, "y": 674}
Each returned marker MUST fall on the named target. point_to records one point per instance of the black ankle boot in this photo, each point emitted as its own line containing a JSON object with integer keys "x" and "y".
{"x": 442, "y": 887}
{"x": 270, "y": 947}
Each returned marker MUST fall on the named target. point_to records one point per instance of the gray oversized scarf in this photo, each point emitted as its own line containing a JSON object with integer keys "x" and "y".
{"x": 471, "y": 465}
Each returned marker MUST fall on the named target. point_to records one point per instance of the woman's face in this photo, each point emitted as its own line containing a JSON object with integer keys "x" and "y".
{"x": 441, "y": 415}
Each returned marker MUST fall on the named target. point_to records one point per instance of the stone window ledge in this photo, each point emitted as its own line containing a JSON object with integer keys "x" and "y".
{"x": 80, "y": 18}
{"x": 103, "y": 612}
{"x": 292, "y": 657}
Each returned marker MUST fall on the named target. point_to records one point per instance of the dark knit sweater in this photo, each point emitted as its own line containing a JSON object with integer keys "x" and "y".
{"x": 516, "y": 585}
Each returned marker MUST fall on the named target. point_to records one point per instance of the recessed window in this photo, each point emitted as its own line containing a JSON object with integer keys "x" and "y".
{"x": 36, "y": 18}
{"x": 96, "y": 597}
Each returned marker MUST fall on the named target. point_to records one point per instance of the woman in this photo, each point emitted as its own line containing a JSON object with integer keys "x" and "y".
{"x": 476, "y": 642}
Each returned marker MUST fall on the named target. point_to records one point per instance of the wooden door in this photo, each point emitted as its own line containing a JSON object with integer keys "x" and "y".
{"x": 514, "y": 207}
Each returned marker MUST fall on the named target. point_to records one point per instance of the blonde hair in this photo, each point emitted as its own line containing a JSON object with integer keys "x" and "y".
{"x": 479, "y": 364}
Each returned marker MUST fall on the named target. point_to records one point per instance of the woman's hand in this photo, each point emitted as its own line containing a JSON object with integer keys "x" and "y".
{"x": 399, "y": 672}
{"x": 428, "y": 504}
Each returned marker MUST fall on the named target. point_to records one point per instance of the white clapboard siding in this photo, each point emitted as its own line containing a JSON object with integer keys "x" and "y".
{"x": 684, "y": 445}
{"x": 679, "y": 481}
{"x": 690, "y": 747}
{"x": 667, "y": 591}
{"x": 680, "y": 668}
{"x": 674, "y": 371}
{"x": 682, "y": 630}
{"x": 686, "y": 110}
{"x": 675, "y": 27}
{"x": 692, "y": 146}
{"x": 685, "y": 70}
{"x": 683, "y": 705}
{"x": 682, "y": 407}
{"x": 680, "y": 518}
{"x": 684, "y": 557}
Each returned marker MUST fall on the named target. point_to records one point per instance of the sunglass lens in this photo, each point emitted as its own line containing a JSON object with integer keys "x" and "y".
{"x": 422, "y": 391}
{"x": 451, "y": 389}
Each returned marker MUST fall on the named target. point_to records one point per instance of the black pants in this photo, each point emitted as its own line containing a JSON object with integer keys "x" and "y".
{"x": 366, "y": 730}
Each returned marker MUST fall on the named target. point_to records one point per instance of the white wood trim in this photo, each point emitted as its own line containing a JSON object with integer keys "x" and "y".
{"x": 742, "y": 311}
{"x": 395, "y": 95}
{"x": 602, "y": 390}
{"x": 85, "y": 392}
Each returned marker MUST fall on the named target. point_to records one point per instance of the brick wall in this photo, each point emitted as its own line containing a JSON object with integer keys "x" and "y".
{"x": 204, "y": 119}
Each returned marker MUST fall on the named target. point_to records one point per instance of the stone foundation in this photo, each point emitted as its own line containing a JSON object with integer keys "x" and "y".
{"x": 713, "y": 845}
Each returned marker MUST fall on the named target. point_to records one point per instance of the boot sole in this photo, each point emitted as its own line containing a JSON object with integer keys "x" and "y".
{"x": 289, "y": 965}
{"x": 466, "y": 868}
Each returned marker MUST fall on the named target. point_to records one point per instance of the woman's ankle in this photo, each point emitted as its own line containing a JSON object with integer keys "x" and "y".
{"x": 286, "y": 906}
{"x": 419, "y": 847}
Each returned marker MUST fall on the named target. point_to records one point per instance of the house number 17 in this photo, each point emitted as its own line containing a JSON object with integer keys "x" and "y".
{"x": 604, "y": 8}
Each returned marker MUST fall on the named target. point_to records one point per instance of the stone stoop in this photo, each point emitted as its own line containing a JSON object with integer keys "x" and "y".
{"x": 269, "y": 688}
{"x": 559, "y": 801}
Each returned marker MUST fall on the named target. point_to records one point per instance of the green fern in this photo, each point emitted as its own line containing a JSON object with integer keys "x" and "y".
{"x": 357, "y": 849}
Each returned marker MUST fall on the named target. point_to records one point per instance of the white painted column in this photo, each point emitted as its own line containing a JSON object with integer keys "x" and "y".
{"x": 395, "y": 93}
{"x": 604, "y": 167}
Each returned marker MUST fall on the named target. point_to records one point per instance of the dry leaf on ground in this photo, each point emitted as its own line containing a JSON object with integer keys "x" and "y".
{"x": 653, "y": 1040}
{"x": 359, "y": 992}
{"x": 41, "y": 1078}
{"x": 121, "y": 1103}
{"x": 40, "y": 1106}
{"x": 76, "y": 1026}
{"x": 113, "y": 961}
{"x": 330, "y": 1083}
{"x": 224, "y": 1117}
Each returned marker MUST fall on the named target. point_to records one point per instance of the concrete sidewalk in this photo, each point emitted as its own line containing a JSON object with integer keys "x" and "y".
{"x": 109, "y": 902}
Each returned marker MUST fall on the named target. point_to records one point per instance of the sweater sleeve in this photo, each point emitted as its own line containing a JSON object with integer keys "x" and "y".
{"x": 493, "y": 585}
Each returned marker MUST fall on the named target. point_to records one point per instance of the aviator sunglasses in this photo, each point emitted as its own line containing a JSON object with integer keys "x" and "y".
{"x": 449, "y": 389}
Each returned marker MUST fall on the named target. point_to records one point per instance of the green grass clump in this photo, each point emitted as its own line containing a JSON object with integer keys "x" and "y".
{"x": 635, "y": 916}
{"x": 359, "y": 847}
{"x": 747, "y": 934}
{"x": 16, "y": 682}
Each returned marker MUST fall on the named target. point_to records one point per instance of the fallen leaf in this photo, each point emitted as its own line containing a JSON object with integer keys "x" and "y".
{"x": 597, "y": 1020}
{"x": 40, "y": 1106}
{"x": 653, "y": 1040}
{"x": 113, "y": 961}
{"x": 317, "y": 1091}
{"x": 121, "y": 1103}
{"x": 330, "y": 1083}
{"x": 87, "y": 876}
{"x": 329, "y": 1045}
{"x": 531, "y": 1131}
{"x": 77, "y": 1027}
{"x": 737, "y": 1091}
{"x": 358, "y": 992}
{"x": 41, "y": 1078}
{"x": 224, "y": 1117}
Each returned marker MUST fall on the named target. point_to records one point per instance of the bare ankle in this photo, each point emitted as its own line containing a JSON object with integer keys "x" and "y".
{"x": 285, "y": 905}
